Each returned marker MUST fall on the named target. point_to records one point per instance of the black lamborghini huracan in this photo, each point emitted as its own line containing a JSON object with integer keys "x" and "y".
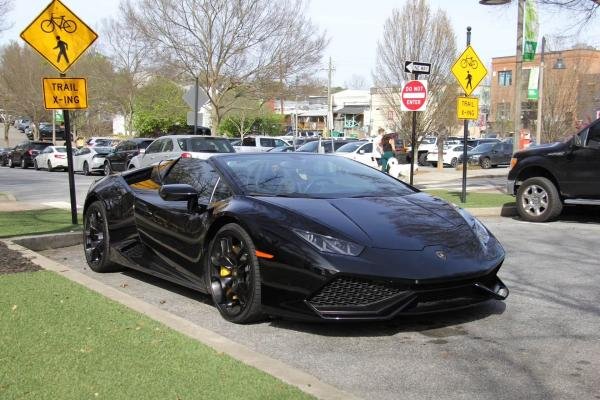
{"x": 303, "y": 236}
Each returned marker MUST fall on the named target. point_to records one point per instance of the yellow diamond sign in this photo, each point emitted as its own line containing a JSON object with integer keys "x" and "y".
{"x": 59, "y": 35}
{"x": 469, "y": 70}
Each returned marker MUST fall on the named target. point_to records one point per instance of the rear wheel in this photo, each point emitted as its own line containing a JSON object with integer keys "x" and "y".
{"x": 538, "y": 200}
{"x": 107, "y": 169}
{"x": 96, "y": 239}
{"x": 50, "y": 169}
{"x": 485, "y": 163}
{"x": 86, "y": 168}
{"x": 454, "y": 162}
{"x": 23, "y": 163}
{"x": 10, "y": 163}
{"x": 422, "y": 160}
{"x": 233, "y": 276}
{"x": 35, "y": 165}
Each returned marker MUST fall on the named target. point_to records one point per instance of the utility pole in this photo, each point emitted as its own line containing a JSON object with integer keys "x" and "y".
{"x": 518, "y": 69}
{"x": 329, "y": 102}
{"x": 538, "y": 125}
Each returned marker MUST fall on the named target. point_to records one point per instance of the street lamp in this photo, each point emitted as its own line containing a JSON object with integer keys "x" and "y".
{"x": 519, "y": 65}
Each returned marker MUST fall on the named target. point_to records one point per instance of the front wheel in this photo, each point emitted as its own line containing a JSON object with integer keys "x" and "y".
{"x": 86, "y": 168}
{"x": 96, "y": 239}
{"x": 35, "y": 165}
{"x": 538, "y": 200}
{"x": 107, "y": 169}
{"x": 485, "y": 163}
{"x": 233, "y": 276}
{"x": 23, "y": 163}
{"x": 422, "y": 160}
{"x": 50, "y": 169}
{"x": 10, "y": 163}
{"x": 454, "y": 162}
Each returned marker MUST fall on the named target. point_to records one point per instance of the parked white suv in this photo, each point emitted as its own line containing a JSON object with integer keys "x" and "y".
{"x": 258, "y": 143}
{"x": 186, "y": 146}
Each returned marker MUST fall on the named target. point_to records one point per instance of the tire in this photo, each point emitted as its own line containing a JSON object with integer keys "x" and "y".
{"x": 107, "y": 168}
{"x": 485, "y": 163}
{"x": 237, "y": 296}
{"x": 23, "y": 164}
{"x": 422, "y": 160}
{"x": 538, "y": 200}
{"x": 454, "y": 162}
{"x": 433, "y": 164}
{"x": 86, "y": 168}
{"x": 96, "y": 239}
{"x": 35, "y": 165}
{"x": 10, "y": 163}
{"x": 50, "y": 169}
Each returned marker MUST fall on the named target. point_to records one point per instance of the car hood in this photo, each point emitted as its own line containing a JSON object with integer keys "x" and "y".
{"x": 401, "y": 223}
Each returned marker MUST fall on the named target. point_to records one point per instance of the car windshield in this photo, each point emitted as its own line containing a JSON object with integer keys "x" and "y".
{"x": 145, "y": 143}
{"x": 483, "y": 147}
{"x": 205, "y": 145}
{"x": 310, "y": 147}
{"x": 60, "y": 149}
{"x": 310, "y": 176}
{"x": 349, "y": 147}
{"x": 103, "y": 150}
{"x": 428, "y": 140}
{"x": 103, "y": 142}
{"x": 40, "y": 146}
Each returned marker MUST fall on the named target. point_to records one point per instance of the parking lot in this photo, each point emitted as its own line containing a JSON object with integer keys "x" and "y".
{"x": 543, "y": 343}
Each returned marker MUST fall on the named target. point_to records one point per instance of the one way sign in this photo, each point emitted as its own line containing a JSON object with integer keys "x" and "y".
{"x": 416, "y": 67}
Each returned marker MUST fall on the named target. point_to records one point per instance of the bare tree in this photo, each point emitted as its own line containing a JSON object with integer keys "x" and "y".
{"x": 356, "y": 82}
{"x": 5, "y": 7}
{"x": 417, "y": 33}
{"x": 21, "y": 72}
{"x": 227, "y": 44}
{"x": 128, "y": 50}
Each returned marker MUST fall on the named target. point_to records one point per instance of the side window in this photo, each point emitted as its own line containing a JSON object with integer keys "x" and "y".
{"x": 222, "y": 191}
{"x": 47, "y": 150}
{"x": 122, "y": 147}
{"x": 154, "y": 147}
{"x": 279, "y": 143}
{"x": 265, "y": 142}
{"x": 368, "y": 148}
{"x": 249, "y": 141}
{"x": 593, "y": 137}
{"x": 168, "y": 145}
{"x": 197, "y": 173}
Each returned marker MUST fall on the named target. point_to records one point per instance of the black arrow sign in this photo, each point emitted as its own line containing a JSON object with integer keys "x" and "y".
{"x": 416, "y": 67}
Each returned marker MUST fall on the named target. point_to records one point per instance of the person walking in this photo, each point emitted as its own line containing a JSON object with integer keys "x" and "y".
{"x": 377, "y": 149}
{"x": 388, "y": 151}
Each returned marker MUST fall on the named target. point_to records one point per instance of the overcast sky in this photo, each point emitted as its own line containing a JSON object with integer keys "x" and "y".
{"x": 355, "y": 26}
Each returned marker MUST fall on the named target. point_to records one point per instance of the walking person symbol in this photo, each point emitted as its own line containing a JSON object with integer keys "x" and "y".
{"x": 469, "y": 77}
{"x": 62, "y": 47}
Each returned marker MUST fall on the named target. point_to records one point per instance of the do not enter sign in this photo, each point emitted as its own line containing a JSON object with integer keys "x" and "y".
{"x": 414, "y": 96}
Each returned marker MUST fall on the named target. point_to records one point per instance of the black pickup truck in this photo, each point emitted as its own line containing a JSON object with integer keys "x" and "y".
{"x": 546, "y": 177}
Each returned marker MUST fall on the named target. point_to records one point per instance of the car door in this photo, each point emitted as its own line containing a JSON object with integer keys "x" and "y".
{"x": 582, "y": 166}
{"x": 169, "y": 229}
{"x": 152, "y": 153}
{"x": 364, "y": 154}
{"x": 117, "y": 158}
{"x": 42, "y": 158}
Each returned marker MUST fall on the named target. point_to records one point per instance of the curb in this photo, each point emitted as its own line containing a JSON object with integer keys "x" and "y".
{"x": 278, "y": 369}
{"x": 504, "y": 211}
{"x": 7, "y": 197}
{"x": 49, "y": 241}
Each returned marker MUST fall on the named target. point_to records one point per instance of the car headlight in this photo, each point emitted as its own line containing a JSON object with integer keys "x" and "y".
{"x": 328, "y": 244}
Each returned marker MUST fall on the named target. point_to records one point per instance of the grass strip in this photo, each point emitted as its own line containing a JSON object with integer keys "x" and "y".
{"x": 52, "y": 220}
{"x": 62, "y": 341}
{"x": 475, "y": 199}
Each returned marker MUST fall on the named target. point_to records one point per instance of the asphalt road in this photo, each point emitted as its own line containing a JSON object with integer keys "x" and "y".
{"x": 543, "y": 343}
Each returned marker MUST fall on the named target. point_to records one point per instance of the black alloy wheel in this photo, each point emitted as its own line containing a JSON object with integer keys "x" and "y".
{"x": 96, "y": 239}
{"x": 485, "y": 163}
{"x": 233, "y": 276}
{"x": 86, "y": 168}
{"x": 107, "y": 168}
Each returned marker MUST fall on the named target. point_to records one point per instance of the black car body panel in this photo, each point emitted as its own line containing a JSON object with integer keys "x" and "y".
{"x": 419, "y": 254}
{"x": 125, "y": 151}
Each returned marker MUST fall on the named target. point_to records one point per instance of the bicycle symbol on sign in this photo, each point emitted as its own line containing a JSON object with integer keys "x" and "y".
{"x": 468, "y": 62}
{"x": 59, "y": 23}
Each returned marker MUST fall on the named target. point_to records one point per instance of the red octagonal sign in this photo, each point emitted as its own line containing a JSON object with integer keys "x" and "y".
{"x": 414, "y": 96}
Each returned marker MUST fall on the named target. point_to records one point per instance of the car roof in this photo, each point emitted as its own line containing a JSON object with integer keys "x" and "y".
{"x": 195, "y": 136}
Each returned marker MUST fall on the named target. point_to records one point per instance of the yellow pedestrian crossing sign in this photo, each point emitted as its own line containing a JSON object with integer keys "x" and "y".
{"x": 469, "y": 70}
{"x": 59, "y": 35}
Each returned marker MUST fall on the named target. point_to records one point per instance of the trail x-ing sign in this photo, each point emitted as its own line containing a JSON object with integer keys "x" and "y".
{"x": 65, "y": 93}
{"x": 414, "y": 96}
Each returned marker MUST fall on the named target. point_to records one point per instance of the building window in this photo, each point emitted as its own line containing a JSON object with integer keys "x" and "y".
{"x": 505, "y": 78}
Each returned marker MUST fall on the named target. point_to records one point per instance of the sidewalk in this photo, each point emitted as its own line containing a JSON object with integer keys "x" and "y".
{"x": 430, "y": 175}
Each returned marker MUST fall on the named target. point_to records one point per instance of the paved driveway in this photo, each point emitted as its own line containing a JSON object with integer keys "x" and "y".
{"x": 544, "y": 343}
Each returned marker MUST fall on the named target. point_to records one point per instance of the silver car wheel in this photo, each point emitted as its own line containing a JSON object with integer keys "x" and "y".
{"x": 535, "y": 200}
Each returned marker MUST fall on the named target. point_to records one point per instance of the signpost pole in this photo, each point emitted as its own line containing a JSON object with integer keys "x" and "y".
{"x": 463, "y": 195}
{"x": 414, "y": 148}
{"x": 70, "y": 164}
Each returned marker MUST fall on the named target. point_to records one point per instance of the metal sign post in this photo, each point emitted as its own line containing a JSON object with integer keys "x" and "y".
{"x": 463, "y": 193}
{"x": 59, "y": 36}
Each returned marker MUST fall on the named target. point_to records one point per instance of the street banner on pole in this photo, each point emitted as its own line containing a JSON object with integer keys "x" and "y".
{"x": 531, "y": 26}
{"x": 532, "y": 85}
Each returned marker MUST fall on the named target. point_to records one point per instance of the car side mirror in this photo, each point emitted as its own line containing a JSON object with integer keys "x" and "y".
{"x": 181, "y": 192}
